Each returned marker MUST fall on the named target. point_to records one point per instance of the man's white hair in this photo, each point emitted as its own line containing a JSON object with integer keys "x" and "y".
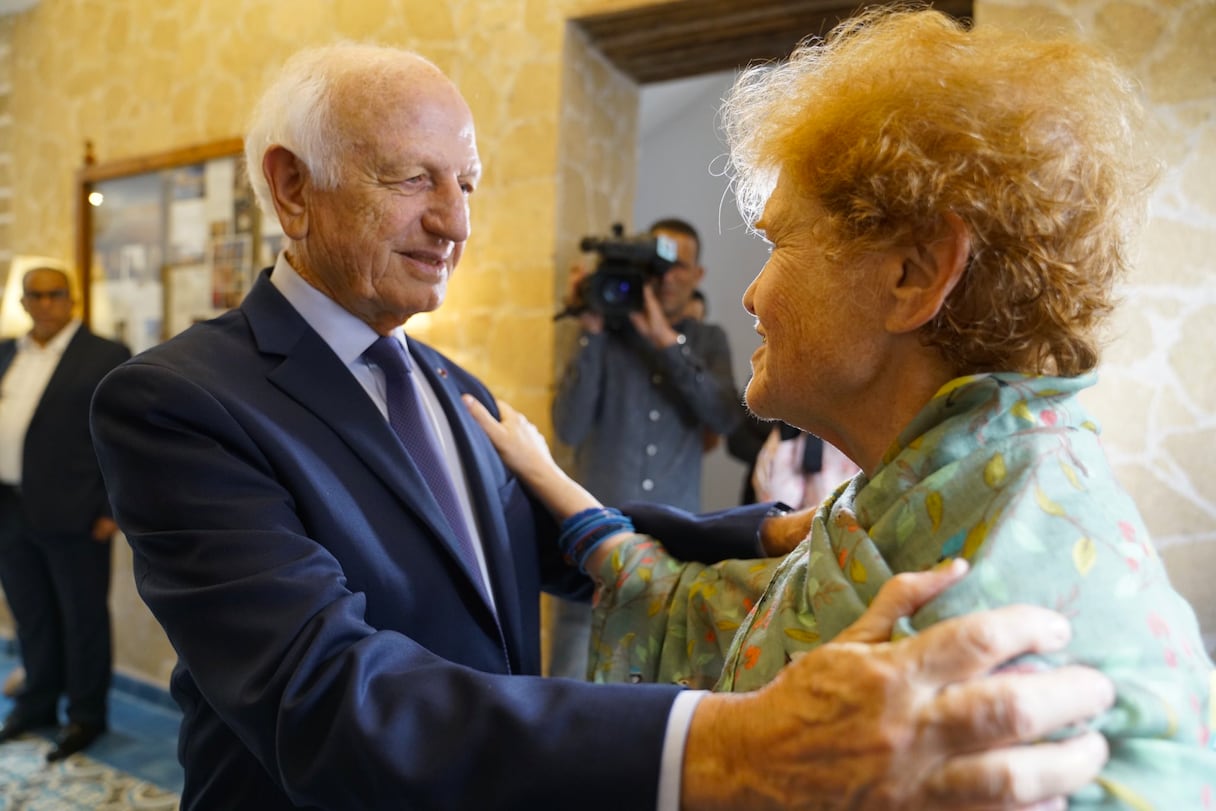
{"x": 297, "y": 110}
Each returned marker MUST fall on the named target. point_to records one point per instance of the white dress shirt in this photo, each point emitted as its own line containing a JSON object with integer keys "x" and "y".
{"x": 20, "y": 392}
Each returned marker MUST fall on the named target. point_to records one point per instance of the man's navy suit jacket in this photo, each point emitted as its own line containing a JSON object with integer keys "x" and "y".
{"x": 333, "y": 650}
{"x": 61, "y": 485}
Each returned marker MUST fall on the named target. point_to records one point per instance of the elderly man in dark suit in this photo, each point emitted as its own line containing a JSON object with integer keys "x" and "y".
{"x": 350, "y": 576}
{"x": 55, "y": 523}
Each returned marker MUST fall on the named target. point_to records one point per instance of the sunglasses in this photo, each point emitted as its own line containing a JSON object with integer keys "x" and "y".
{"x": 52, "y": 295}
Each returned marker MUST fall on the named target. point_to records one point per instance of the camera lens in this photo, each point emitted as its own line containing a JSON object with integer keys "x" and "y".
{"x": 616, "y": 291}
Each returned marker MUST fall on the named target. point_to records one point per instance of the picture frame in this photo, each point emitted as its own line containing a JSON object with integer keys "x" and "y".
{"x": 166, "y": 240}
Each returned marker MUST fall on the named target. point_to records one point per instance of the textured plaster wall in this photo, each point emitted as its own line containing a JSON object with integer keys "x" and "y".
{"x": 555, "y": 129}
{"x": 1156, "y": 397}
{"x": 6, "y": 178}
{"x": 596, "y": 172}
{"x": 596, "y": 180}
{"x": 6, "y": 143}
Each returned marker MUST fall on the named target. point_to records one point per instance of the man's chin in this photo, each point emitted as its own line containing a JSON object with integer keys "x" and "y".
{"x": 422, "y": 314}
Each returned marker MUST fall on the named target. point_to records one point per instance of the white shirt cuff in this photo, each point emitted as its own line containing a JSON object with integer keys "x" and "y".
{"x": 672, "y": 767}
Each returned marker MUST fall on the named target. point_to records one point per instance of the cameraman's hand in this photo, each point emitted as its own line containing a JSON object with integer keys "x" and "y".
{"x": 591, "y": 322}
{"x": 652, "y": 322}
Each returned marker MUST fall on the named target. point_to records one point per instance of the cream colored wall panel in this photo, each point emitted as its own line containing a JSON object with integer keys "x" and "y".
{"x": 1135, "y": 28}
{"x": 556, "y": 132}
{"x": 1184, "y": 69}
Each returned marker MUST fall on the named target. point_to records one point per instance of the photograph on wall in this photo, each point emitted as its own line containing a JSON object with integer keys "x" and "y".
{"x": 231, "y": 258}
{"x": 272, "y": 241}
{"x": 187, "y": 297}
{"x": 187, "y": 193}
{"x": 128, "y": 252}
{"x": 170, "y": 246}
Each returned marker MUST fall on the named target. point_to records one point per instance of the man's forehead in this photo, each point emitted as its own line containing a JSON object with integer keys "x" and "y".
{"x": 408, "y": 117}
{"x": 473, "y": 169}
{"x": 46, "y": 277}
{"x": 403, "y": 83}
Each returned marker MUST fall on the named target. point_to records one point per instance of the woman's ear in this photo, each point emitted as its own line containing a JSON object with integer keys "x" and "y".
{"x": 288, "y": 178}
{"x": 927, "y": 274}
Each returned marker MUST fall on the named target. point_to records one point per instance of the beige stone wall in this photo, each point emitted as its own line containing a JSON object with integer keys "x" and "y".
{"x": 1156, "y": 397}
{"x": 6, "y": 146}
{"x": 596, "y": 179}
{"x": 6, "y": 178}
{"x": 143, "y": 76}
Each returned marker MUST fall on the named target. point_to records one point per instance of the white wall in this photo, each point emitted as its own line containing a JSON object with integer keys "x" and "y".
{"x": 680, "y": 154}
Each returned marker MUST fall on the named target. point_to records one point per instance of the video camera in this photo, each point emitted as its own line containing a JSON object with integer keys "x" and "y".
{"x": 626, "y": 265}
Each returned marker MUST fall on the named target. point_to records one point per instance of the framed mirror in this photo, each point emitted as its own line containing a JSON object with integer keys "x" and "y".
{"x": 167, "y": 240}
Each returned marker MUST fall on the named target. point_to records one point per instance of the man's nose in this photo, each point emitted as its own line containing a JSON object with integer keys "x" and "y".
{"x": 447, "y": 216}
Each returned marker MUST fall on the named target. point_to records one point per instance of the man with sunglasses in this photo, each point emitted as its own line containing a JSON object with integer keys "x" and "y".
{"x": 55, "y": 523}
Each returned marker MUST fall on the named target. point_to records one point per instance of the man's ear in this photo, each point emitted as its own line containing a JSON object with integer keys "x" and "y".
{"x": 288, "y": 179}
{"x": 929, "y": 271}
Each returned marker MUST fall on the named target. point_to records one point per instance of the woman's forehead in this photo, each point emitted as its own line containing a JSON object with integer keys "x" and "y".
{"x": 788, "y": 207}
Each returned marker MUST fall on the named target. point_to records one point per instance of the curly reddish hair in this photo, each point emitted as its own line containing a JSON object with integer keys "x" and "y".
{"x": 904, "y": 114}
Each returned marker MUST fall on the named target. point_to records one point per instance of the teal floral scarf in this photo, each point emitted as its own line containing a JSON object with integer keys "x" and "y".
{"x": 1007, "y": 471}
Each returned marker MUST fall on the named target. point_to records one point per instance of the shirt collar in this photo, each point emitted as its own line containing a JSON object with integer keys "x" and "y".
{"x": 57, "y": 344}
{"x": 347, "y": 335}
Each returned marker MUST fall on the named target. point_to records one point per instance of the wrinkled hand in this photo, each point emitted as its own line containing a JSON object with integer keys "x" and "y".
{"x": 920, "y": 723}
{"x": 524, "y": 450}
{"x": 902, "y": 596}
{"x": 780, "y": 534}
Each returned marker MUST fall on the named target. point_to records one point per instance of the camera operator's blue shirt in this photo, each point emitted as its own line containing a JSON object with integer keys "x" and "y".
{"x": 637, "y": 415}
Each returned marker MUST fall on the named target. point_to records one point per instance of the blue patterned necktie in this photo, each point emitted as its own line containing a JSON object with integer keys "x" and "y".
{"x": 407, "y": 416}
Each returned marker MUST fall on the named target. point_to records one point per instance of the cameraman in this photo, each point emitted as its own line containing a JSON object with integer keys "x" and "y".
{"x": 635, "y": 400}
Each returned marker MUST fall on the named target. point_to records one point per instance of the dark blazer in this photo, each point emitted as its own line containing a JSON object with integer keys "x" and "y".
{"x": 61, "y": 485}
{"x": 333, "y": 651}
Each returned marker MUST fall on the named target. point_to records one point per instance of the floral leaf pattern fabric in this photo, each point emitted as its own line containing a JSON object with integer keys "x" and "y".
{"x": 1007, "y": 471}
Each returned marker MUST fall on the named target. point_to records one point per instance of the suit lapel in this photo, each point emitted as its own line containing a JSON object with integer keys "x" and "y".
{"x": 8, "y": 350}
{"x": 68, "y": 368}
{"x": 313, "y": 376}
{"x": 69, "y": 361}
{"x": 479, "y": 459}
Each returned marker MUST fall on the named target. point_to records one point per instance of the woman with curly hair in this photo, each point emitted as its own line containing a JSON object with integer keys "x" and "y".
{"x": 949, "y": 211}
